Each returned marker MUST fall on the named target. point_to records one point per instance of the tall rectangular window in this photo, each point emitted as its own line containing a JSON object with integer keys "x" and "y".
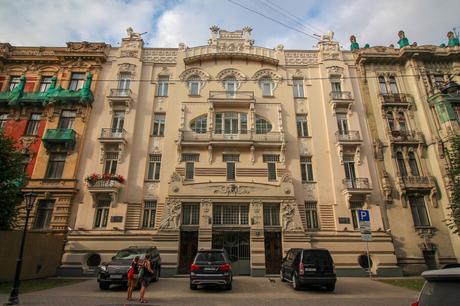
{"x": 44, "y": 214}
{"x": 56, "y": 164}
{"x": 148, "y": 216}
{"x": 190, "y": 214}
{"x": 271, "y": 214}
{"x": 3, "y": 120}
{"x": 154, "y": 167}
{"x": 355, "y": 206}
{"x": 102, "y": 214}
{"x": 418, "y": 209}
{"x": 111, "y": 162}
{"x": 311, "y": 215}
{"x": 45, "y": 83}
{"x": 118, "y": 121}
{"x": 194, "y": 86}
{"x": 231, "y": 171}
{"x": 162, "y": 89}
{"x": 267, "y": 87}
{"x": 302, "y": 126}
{"x": 393, "y": 85}
{"x": 306, "y": 169}
{"x": 124, "y": 83}
{"x": 342, "y": 123}
{"x": 77, "y": 80}
{"x": 336, "y": 84}
{"x": 159, "y": 125}
{"x": 14, "y": 81}
{"x": 33, "y": 124}
{"x": 297, "y": 85}
{"x": 67, "y": 119}
{"x": 383, "y": 85}
{"x": 271, "y": 160}
{"x": 189, "y": 170}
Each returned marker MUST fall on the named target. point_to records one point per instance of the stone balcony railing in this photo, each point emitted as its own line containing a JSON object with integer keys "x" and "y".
{"x": 395, "y": 99}
{"x": 112, "y": 135}
{"x": 208, "y": 52}
{"x": 404, "y": 136}
{"x": 231, "y": 95}
{"x": 120, "y": 97}
{"x": 417, "y": 182}
{"x": 120, "y": 93}
{"x": 356, "y": 183}
{"x": 348, "y": 136}
{"x": 249, "y": 136}
{"x": 340, "y": 95}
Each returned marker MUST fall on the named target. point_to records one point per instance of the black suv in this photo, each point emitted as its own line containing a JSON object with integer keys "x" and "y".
{"x": 309, "y": 267}
{"x": 211, "y": 267}
{"x": 116, "y": 271}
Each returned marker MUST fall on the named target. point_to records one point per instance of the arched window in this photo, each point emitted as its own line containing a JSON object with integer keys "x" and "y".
{"x": 199, "y": 125}
{"x": 413, "y": 164}
{"x": 262, "y": 126}
{"x": 267, "y": 86}
{"x": 401, "y": 164}
{"x": 194, "y": 84}
{"x": 391, "y": 121}
{"x": 402, "y": 121}
{"x": 383, "y": 85}
{"x": 393, "y": 85}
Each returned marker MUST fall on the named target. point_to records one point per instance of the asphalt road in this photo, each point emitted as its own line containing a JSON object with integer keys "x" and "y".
{"x": 246, "y": 291}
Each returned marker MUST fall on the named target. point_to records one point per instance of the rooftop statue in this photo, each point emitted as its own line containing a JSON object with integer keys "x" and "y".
{"x": 134, "y": 35}
{"x": 453, "y": 41}
{"x": 328, "y": 36}
{"x": 354, "y": 44}
{"x": 403, "y": 41}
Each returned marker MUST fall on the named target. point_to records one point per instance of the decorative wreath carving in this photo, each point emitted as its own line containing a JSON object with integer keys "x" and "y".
{"x": 230, "y": 72}
{"x": 204, "y": 76}
{"x": 268, "y": 73}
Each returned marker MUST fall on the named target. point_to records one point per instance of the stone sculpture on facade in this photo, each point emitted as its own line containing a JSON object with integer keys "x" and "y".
{"x": 289, "y": 216}
{"x": 453, "y": 41}
{"x": 134, "y": 35}
{"x": 403, "y": 41}
{"x": 354, "y": 45}
{"x": 171, "y": 216}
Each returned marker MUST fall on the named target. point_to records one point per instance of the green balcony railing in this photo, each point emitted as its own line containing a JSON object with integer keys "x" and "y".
{"x": 59, "y": 136}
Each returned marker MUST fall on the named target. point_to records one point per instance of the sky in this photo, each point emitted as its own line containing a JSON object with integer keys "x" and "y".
{"x": 169, "y": 22}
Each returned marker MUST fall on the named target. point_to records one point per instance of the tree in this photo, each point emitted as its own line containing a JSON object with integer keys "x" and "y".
{"x": 453, "y": 153}
{"x": 11, "y": 181}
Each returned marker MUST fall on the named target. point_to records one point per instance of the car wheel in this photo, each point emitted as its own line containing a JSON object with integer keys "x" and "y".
{"x": 295, "y": 282}
{"x": 104, "y": 285}
{"x": 228, "y": 286}
{"x": 282, "y": 275}
{"x": 156, "y": 275}
{"x": 330, "y": 287}
{"x": 193, "y": 287}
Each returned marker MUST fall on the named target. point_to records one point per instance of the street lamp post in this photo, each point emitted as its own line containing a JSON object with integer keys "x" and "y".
{"x": 14, "y": 299}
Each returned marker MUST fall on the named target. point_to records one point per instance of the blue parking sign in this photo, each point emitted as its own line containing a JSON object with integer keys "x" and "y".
{"x": 363, "y": 215}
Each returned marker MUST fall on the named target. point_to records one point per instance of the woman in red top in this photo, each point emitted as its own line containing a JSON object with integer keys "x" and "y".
{"x": 133, "y": 275}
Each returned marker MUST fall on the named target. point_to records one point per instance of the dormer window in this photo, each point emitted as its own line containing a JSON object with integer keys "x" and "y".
{"x": 267, "y": 86}
{"x": 194, "y": 85}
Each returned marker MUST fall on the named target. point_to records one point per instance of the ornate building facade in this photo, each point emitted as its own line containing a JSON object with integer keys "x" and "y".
{"x": 45, "y": 102}
{"x": 412, "y": 99}
{"x": 229, "y": 145}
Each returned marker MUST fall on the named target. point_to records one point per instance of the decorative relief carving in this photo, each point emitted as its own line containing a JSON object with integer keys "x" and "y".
{"x": 290, "y": 216}
{"x": 175, "y": 177}
{"x": 334, "y": 70}
{"x": 171, "y": 215}
{"x": 206, "y": 211}
{"x": 26, "y": 142}
{"x": 230, "y": 72}
{"x": 160, "y": 56}
{"x": 232, "y": 189}
{"x": 81, "y": 46}
{"x": 126, "y": 67}
{"x": 185, "y": 75}
{"x": 301, "y": 58}
{"x": 256, "y": 210}
{"x": 129, "y": 53}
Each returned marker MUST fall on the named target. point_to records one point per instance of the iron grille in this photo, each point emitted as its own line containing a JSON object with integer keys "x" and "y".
{"x": 190, "y": 157}
{"x": 231, "y": 157}
{"x": 271, "y": 158}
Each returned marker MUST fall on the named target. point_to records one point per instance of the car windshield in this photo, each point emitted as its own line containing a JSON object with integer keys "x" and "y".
{"x": 439, "y": 293}
{"x": 130, "y": 254}
{"x": 214, "y": 257}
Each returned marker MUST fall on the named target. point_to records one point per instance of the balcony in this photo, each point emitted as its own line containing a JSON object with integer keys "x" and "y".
{"x": 231, "y": 98}
{"x": 113, "y": 136}
{"x": 417, "y": 182}
{"x": 108, "y": 188}
{"x": 249, "y": 138}
{"x": 348, "y": 137}
{"x": 56, "y": 137}
{"x": 340, "y": 99}
{"x": 356, "y": 187}
{"x": 120, "y": 97}
{"x": 405, "y": 137}
{"x": 403, "y": 100}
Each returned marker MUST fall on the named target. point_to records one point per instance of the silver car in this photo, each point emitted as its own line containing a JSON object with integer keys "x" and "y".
{"x": 442, "y": 287}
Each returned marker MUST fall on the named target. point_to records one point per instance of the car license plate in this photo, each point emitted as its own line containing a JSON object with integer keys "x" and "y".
{"x": 116, "y": 276}
{"x": 209, "y": 269}
{"x": 310, "y": 269}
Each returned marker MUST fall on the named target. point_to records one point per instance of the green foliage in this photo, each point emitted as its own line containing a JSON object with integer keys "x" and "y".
{"x": 11, "y": 181}
{"x": 453, "y": 154}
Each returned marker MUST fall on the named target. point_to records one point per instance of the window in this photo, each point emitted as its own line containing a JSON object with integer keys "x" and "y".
{"x": 111, "y": 162}
{"x": 159, "y": 125}
{"x": 154, "y": 167}
{"x": 342, "y": 123}
{"x": 418, "y": 209}
{"x": 456, "y": 108}
{"x": 393, "y": 85}
{"x": 230, "y": 157}
{"x": 194, "y": 84}
{"x": 14, "y": 81}
{"x": 413, "y": 164}
{"x": 311, "y": 214}
{"x": 336, "y": 85}
{"x": 401, "y": 164}
{"x": 262, "y": 126}
{"x": 66, "y": 120}
{"x": 383, "y": 85}
{"x": 271, "y": 161}
{"x": 45, "y": 83}
{"x": 77, "y": 80}
{"x": 302, "y": 127}
{"x": 230, "y": 85}
{"x": 355, "y": 206}
{"x": 230, "y": 214}
{"x": 271, "y": 214}
{"x": 402, "y": 122}
{"x": 189, "y": 170}
{"x": 44, "y": 214}
{"x": 148, "y": 217}
{"x": 306, "y": 169}
{"x": 55, "y": 165}
{"x": 3, "y": 120}
{"x": 391, "y": 121}
{"x": 102, "y": 213}
{"x": 118, "y": 121}
{"x": 124, "y": 83}
{"x": 297, "y": 85}
{"x": 33, "y": 124}
{"x": 163, "y": 83}
{"x": 267, "y": 87}
{"x": 199, "y": 125}
{"x": 231, "y": 123}
{"x": 230, "y": 171}
{"x": 190, "y": 157}
{"x": 190, "y": 214}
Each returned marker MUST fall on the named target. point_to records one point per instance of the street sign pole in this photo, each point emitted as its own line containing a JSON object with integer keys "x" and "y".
{"x": 368, "y": 260}
{"x": 366, "y": 234}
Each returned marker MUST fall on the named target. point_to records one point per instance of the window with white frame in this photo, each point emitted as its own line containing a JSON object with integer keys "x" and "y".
{"x": 45, "y": 83}
{"x": 336, "y": 85}
{"x": 124, "y": 83}
{"x": 267, "y": 86}
{"x": 3, "y": 120}
{"x": 230, "y": 214}
{"x": 44, "y": 214}
{"x": 262, "y": 126}
{"x": 297, "y": 85}
{"x": 33, "y": 124}
{"x": 102, "y": 213}
{"x": 230, "y": 85}
{"x": 231, "y": 123}
{"x": 77, "y": 80}
{"x": 190, "y": 214}
{"x": 194, "y": 84}
{"x": 163, "y": 83}
{"x": 154, "y": 167}
{"x": 418, "y": 209}
{"x": 342, "y": 123}
{"x": 56, "y": 165}
{"x": 14, "y": 81}
{"x": 271, "y": 215}
{"x": 306, "y": 169}
{"x": 311, "y": 214}
{"x": 271, "y": 160}
{"x": 159, "y": 124}
{"x": 67, "y": 119}
{"x": 200, "y": 125}
{"x": 111, "y": 162}
{"x": 149, "y": 213}
{"x": 302, "y": 125}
